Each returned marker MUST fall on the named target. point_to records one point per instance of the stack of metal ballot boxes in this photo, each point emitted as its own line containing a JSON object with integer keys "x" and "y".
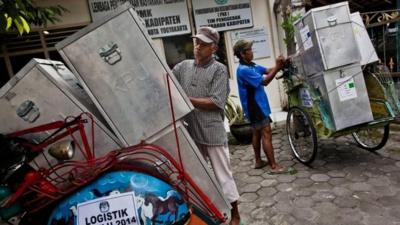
{"x": 133, "y": 88}
{"x": 330, "y": 61}
{"x": 119, "y": 78}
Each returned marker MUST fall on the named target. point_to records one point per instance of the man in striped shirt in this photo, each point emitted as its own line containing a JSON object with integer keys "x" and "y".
{"x": 206, "y": 82}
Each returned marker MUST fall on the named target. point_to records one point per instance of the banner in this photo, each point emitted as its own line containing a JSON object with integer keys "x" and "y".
{"x": 222, "y": 14}
{"x": 259, "y": 36}
{"x": 162, "y": 17}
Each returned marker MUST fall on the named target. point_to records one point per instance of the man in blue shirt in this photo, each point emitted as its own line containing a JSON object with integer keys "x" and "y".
{"x": 251, "y": 79}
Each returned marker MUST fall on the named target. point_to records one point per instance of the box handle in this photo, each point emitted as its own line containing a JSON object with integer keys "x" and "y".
{"x": 28, "y": 111}
{"x": 342, "y": 74}
{"x": 110, "y": 53}
{"x": 332, "y": 21}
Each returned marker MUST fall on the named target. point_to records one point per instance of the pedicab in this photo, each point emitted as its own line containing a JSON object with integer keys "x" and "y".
{"x": 309, "y": 119}
{"x": 334, "y": 85}
{"x": 75, "y": 171}
{"x": 134, "y": 161}
{"x": 96, "y": 190}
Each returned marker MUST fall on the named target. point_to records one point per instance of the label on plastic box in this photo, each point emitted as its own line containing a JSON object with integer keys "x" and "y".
{"x": 346, "y": 88}
{"x": 305, "y": 97}
{"x": 306, "y": 38}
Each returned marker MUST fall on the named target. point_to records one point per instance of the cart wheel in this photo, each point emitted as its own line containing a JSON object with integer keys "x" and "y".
{"x": 372, "y": 139}
{"x": 302, "y": 135}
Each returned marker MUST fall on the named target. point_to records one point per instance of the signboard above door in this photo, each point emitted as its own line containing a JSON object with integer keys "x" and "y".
{"x": 222, "y": 14}
{"x": 162, "y": 18}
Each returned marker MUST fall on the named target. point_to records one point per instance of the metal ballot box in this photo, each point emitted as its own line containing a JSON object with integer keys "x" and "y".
{"x": 46, "y": 91}
{"x": 298, "y": 66}
{"x": 122, "y": 72}
{"x": 345, "y": 93}
{"x": 193, "y": 163}
{"x": 364, "y": 43}
{"x": 325, "y": 38}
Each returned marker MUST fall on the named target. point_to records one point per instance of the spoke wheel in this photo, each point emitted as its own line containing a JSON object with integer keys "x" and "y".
{"x": 372, "y": 139}
{"x": 301, "y": 135}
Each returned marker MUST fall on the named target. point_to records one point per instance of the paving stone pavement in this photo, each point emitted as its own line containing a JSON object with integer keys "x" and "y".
{"x": 345, "y": 186}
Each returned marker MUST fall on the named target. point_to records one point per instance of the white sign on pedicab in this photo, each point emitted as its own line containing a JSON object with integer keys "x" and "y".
{"x": 116, "y": 209}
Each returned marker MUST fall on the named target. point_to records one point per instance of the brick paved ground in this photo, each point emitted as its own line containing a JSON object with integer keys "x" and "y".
{"x": 346, "y": 186}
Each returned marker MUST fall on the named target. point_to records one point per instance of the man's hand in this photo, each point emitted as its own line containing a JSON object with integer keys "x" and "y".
{"x": 280, "y": 62}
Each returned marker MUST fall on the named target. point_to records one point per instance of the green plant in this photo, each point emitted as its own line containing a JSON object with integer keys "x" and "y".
{"x": 19, "y": 14}
{"x": 288, "y": 27}
{"x": 233, "y": 112}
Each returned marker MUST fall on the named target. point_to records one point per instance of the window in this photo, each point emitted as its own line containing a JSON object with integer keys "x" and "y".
{"x": 179, "y": 48}
{"x": 20, "y": 49}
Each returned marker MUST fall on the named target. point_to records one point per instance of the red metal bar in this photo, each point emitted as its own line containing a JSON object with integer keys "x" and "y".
{"x": 90, "y": 156}
{"x": 175, "y": 130}
{"x": 39, "y": 147}
{"x": 30, "y": 178}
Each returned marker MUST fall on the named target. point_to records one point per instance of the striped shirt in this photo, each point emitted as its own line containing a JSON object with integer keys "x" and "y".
{"x": 206, "y": 127}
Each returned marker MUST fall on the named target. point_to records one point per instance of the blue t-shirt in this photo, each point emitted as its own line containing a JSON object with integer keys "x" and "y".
{"x": 253, "y": 98}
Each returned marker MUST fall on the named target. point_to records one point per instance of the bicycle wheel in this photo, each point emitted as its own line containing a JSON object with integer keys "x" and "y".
{"x": 301, "y": 135}
{"x": 372, "y": 139}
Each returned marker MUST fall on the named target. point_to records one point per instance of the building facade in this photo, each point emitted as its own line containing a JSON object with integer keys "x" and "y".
{"x": 170, "y": 23}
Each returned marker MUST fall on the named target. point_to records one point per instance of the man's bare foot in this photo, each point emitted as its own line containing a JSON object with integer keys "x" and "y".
{"x": 260, "y": 164}
{"x": 235, "y": 221}
{"x": 235, "y": 217}
{"x": 278, "y": 169}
